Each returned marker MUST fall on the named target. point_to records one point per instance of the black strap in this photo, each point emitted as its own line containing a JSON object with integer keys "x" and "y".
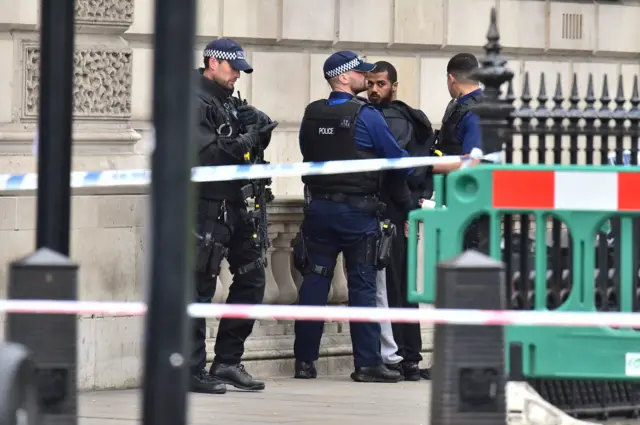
{"x": 321, "y": 270}
{"x": 461, "y": 109}
{"x": 250, "y": 267}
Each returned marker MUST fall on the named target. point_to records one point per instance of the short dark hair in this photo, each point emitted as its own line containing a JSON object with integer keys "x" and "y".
{"x": 384, "y": 66}
{"x": 206, "y": 61}
{"x": 462, "y": 65}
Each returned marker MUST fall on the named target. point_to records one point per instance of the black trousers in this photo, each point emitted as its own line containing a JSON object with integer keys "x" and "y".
{"x": 406, "y": 335}
{"x": 247, "y": 287}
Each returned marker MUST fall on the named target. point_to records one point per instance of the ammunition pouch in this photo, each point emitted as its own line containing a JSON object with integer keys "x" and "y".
{"x": 384, "y": 243}
{"x": 301, "y": 260}
{"x": 299, "y": 254}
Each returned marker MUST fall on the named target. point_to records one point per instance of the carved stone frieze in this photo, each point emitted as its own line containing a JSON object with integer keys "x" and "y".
{"x": 102, "y": 83}
{"x": 101, "y": 12}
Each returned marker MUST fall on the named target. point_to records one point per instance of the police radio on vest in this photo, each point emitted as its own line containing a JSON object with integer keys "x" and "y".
{"x": 325, "y": 131}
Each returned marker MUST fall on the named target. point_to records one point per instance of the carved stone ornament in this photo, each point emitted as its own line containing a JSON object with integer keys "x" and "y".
{"x": 102, "y": 83}
{"x": 104, "y": 12}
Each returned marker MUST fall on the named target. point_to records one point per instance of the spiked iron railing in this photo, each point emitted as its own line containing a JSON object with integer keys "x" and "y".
{"x": 562, "y": 130}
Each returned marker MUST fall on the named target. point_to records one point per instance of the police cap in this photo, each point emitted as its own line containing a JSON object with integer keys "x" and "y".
{"x": 229, "y": 50}
{"x": 345, "y": 61}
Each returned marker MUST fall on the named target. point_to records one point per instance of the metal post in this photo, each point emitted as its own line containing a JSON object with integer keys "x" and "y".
{"x": 167, "y": 356}
{"x": 55, "y": 124}
{"x": 48, "y": 273}
{"x": 493, "y": 111}
{"x": 469, "y": 369}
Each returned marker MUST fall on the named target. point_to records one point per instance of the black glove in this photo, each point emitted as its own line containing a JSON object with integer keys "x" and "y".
{"x": 267, "y": 128}
{"x": 249, "y": 115}
{"x": 248, "y": 141}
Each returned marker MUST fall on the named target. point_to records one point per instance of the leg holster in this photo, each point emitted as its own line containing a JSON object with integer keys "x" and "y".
{"x": 210, "y": 252}
{"x": 301, "y": 260}
{"x": 365, "y": 251}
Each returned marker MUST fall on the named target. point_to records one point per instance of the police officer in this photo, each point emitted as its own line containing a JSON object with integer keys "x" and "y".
{"x": 229, "y": 132}
{"x": 413, "y": 131}
{"x": 460, "y": 131}
{"x": 341, "y": 214}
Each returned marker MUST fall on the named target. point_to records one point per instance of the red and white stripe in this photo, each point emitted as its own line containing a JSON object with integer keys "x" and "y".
{"x": 566, "y": 190}
{"x": 337, "y": 313}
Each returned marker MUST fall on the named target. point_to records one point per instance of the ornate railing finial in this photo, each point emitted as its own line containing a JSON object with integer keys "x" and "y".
{"x": 493, "y": 73}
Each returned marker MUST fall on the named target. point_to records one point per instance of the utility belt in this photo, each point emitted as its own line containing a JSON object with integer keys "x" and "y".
{"x": 367, "y": 203}
{"x": 374, "y": 250}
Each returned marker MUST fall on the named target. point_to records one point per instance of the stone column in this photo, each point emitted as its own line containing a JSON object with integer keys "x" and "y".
{"x": 282, "y": 265}
{"x": 102, "y": 86}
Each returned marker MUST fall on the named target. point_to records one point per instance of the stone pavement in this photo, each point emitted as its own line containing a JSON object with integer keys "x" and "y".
{"x": 335, "y": 401}
{"x": 325, "y": 401}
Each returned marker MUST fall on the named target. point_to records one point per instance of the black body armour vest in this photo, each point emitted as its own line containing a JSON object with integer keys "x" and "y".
{"x": 222, "y": 114}
{"x": 449, "y": 143}
{"x": 328, "y": 134}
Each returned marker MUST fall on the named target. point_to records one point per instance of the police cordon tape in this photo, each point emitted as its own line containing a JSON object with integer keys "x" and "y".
{"x": 337, "y": 313}
{"x": 136, "y": 177}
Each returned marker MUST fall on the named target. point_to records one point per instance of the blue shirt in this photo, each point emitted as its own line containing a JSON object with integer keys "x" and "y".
{"x": 371, "y": 132}
{"x": 469, "y": 133}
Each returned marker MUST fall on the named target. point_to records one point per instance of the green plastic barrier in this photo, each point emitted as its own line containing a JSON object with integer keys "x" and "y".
{"x": 560, "y": 352}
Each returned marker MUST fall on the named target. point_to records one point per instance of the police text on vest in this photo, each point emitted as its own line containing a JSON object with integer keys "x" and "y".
{"x": 325, "y": 131}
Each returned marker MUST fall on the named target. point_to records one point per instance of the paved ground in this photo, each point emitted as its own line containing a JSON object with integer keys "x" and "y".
{"x": 334, "y": 401}
{"x": 325, "y": 401}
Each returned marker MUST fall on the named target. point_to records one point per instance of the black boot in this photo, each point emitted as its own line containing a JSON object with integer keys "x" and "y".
{"x": 204, "y": 383}
{"x": 425, "y": 374}
{"x": 235, "y": 375}
{"x": 379, "y": 373}
{"x": 396, "y": 367}
{"x": 411, "y": 371}
{"x": 305, "y": 370}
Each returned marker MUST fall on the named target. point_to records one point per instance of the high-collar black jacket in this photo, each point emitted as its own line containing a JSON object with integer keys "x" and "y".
{"x": 414, "y": 133}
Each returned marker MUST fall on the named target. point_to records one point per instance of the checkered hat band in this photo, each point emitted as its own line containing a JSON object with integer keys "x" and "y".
{"x": 219, "y": 54}
{"x": 343, "y": 68}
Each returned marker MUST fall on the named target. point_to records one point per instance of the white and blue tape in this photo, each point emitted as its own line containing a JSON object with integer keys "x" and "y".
{"x": 135, "y": 177}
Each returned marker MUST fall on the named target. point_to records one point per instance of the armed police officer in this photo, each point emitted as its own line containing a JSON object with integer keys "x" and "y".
{"x": 342, "y": 214}
{"x": 413, "y": 131}
{"x": 229, "y": 132}
{"x": 460, "y": 132}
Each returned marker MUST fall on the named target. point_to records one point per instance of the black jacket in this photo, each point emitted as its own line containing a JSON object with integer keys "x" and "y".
{"x": 215, "y": 137}
{"x": 414, "y": 133}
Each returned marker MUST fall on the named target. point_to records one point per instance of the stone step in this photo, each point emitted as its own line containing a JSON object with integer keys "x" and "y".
{"x": 269, "y": 350}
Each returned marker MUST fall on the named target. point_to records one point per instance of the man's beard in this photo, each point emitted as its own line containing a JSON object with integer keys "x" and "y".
{"x": 382, "y": 100}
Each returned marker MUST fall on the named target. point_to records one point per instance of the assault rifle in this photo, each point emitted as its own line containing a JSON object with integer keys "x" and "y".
{"x": 262, "y": 195}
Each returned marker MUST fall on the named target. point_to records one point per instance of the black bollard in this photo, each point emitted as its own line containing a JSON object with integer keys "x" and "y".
{"x": 167, "y": 332}
{"x": 18, "y": 391}
{"x": 51, "y": 338}
{"x": 48, "y": 273}
{"x": 468, "y": 377}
